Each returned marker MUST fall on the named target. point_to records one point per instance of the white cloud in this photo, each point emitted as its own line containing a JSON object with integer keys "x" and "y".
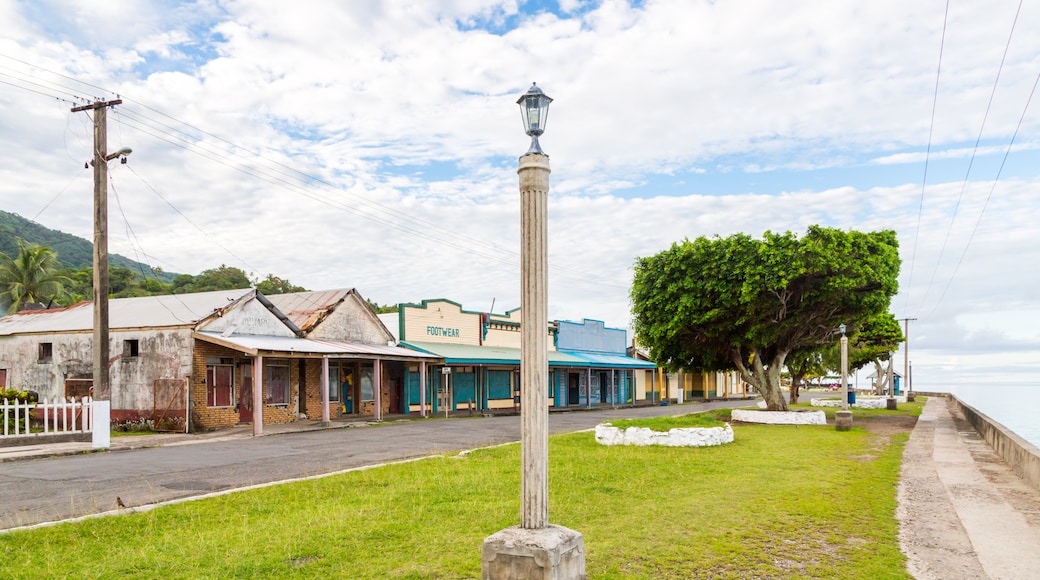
{"x": 406, "y": 114}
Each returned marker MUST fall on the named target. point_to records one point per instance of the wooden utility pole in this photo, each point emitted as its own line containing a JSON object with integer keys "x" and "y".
{"x": 102, "y": 388}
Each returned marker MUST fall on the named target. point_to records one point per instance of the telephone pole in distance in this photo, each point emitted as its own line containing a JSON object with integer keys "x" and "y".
{"x": 906, "y": 357}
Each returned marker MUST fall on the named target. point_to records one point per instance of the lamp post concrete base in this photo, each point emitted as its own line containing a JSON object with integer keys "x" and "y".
{"x": 843, "y": 420}
{"x": 549, "y": 553}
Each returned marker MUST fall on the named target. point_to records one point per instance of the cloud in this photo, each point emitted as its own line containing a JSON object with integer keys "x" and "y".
{"x": 374, "y": 144}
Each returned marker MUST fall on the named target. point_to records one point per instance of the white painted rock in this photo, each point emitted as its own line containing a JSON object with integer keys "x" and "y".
{"x": 607, "y": 434}
{"x": 862, "y": 402}
{"x": 780, "y": 417}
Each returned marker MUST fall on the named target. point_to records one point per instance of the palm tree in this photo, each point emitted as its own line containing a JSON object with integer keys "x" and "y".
{"x": 31, "y": 277}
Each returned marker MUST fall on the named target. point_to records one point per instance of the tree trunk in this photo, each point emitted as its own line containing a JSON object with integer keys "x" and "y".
{"x": 881, "y": 382}
{"x": 765, "y": 379}
{"x": 796, "y": 385}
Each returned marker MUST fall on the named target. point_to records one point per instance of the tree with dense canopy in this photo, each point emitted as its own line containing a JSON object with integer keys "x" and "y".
{"x": 31, "y": 277}
{"x": 272, "y": 285}
{"x": 745, "y": 304}
{"x": 873, "y": 343}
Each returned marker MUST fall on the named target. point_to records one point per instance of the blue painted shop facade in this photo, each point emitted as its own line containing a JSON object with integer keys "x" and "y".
{"x": 481, "y": 354}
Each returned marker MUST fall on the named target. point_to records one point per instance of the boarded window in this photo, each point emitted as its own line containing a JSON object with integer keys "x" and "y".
{"x": 500, "y": 384}
{"x": 79, "y": 388}
{"x": 219, "y": 389}
{"x": 46, "y": 353}
{"x": 276, "y": 385}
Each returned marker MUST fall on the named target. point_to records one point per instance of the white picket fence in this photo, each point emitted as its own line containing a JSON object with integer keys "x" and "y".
{"x": 60, "y": 416}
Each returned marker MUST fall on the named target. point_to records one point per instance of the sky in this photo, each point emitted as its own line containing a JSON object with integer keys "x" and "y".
{"x": 374, "y": 144}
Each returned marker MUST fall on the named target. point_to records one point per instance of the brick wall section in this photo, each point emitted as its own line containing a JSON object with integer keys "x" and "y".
{"x": 202, "y": 415}
{"x": 206, "y": 417}
{"x": 313, "y": 392}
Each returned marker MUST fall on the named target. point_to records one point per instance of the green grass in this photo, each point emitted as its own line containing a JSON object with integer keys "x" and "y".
{"x": 132, "y": 433}
{"x": 665, "y": 424}
{"x": 905, "y": 410}
{"x": 779, "y": 502}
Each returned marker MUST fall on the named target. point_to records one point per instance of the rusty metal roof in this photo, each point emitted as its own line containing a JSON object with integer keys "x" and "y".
{"x": 184, "y": 310}
{"x": 307, "y": 309}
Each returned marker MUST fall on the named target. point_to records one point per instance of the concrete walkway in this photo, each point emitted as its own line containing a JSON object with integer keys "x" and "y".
{"x": 964, "y": 513}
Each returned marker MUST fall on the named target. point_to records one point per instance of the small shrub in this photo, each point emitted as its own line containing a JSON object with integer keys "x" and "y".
{"x": 11, "y": 395}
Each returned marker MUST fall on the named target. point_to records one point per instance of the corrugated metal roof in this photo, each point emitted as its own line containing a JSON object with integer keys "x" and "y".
{"x": 308, "y": 309}
{"x": 611, "y": 361}
{"x": 253, "y": 344}
{"x": 487, "y": 355}
{"x": 143, "y": 312}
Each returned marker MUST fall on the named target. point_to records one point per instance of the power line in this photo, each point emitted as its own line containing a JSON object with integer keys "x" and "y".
{"x": 928, "y": 151}
{"x": 187, "y": 219}
{"x": 996, "y": 180}
{"x": 971, "y": 161}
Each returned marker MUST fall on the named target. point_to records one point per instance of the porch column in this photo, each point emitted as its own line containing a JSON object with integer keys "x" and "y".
{"x": 377, "y": 370}
{"x": 613, "y": 385}
{"x": 653, "y": 385}
{"x": 422, "y": 388}
{"x": 258, "y": 395}
{"x": 588, "y": 388}
{"x": 325, "y": 391}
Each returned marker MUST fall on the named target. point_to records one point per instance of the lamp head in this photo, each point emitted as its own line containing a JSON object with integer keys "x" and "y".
{"x": 534, "y": 109}
{"x": 841, "y": 327}
{"x": 121, "y": 153}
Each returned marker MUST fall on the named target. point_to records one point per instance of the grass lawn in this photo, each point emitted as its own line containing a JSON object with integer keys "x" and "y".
{"x": 779, "y": 502}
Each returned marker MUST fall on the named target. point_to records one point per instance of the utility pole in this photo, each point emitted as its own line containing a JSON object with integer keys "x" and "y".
{"x": 906, "y": 358}
{"x": 101, "y": 387}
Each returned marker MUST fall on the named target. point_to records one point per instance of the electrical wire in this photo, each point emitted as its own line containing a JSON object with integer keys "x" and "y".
{"x": 992, "y": 188}
{"x": 974, "y": 151}
{"x": 187, "y": 219}
{"x": 288, "y": 178}
{"x": 928, "y": 151}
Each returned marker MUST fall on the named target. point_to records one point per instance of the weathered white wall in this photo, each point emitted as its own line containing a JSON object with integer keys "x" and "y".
{"x": 249, "y": 317}
{"x": 162, "y": 354}
{"x": 352, "y": 321}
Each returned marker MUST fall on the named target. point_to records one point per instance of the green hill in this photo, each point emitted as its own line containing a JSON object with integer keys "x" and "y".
{"x": 72, "y": 251}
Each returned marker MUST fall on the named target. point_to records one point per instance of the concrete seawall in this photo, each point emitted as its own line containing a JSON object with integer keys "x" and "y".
{"x": 1020, "y": 454}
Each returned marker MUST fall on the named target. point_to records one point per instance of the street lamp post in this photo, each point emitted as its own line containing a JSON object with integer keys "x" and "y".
{"x": 535, "y": 548}
{"x": 843, "y": 418}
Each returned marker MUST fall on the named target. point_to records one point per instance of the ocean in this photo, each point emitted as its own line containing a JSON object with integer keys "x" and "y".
{"x": 1015, "y": 407}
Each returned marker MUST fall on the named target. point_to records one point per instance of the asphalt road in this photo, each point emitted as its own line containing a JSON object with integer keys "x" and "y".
{"x": 54, "y": 489}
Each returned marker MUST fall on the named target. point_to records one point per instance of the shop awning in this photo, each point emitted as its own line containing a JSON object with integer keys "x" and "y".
{"x": 468, "y": 354}
{"x": 610, "y": 361}
{"x": 310, "y": 347}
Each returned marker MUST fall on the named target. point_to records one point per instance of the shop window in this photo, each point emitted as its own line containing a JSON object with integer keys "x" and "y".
{"x": 368, "y": 393}
{"x": 276, "y": 383}
{"x": 46, "y": 353}
{"x": 131, "y": 349}
{"x": 219, "y": 381}
{"x": 341, "y": 381}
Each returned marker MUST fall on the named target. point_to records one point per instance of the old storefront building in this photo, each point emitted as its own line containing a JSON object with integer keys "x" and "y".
{"x": 217, "y": 358}
{"x": 481, "y": 354}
